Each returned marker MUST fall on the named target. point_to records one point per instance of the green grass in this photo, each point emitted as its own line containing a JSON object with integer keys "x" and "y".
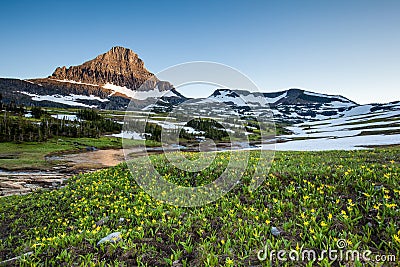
{"x": 314, "y": 198}
{"x": 31, "y": 155}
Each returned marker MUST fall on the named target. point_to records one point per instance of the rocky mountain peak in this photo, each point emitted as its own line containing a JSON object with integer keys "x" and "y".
{"x": 120, "y": 56}
{"x": 119, "y": 66}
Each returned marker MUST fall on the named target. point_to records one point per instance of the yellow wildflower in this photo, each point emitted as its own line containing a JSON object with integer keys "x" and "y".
{"x": 229, "y": 261}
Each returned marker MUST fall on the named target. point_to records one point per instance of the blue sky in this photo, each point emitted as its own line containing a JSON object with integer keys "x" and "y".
{"x": 350, "y": 48}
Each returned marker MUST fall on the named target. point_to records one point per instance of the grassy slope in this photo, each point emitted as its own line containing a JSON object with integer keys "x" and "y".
{"x": 314, "y": 198}
{"x": 31, "y": 155}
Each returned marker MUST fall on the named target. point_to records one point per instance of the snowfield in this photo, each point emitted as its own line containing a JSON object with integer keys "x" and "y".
{"x": 68, "y": 117}
{"x": 140, "y": 95}
{"x": 69, "y": 100}
{"x": 129, "y": 135}
{"x": 71, "y": 81}
{"x": 344, "y": 133}
{"x": 345, "y": 143}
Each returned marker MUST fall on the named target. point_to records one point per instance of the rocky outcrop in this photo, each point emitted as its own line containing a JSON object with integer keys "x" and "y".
{"x": 119, "y": 66}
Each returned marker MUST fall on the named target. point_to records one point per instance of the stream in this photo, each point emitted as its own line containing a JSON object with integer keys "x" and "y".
{"x": 66, "y": 165}
{"x": 63, "y": 167}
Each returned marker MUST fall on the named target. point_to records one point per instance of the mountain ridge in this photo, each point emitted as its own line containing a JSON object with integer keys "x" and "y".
{"x": 289, "y": 97}
{"x": 112, "y": 79}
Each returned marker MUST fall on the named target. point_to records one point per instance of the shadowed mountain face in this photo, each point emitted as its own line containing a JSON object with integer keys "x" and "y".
{"x": 119, "y": 66}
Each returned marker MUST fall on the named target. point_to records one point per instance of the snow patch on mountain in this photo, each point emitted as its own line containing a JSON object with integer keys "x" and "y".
{"x": 139, "y": 95}
{"x": 276, "y": 99}
{"x": 326, "y": 96}
{"x": 227, "y": 96}
{"x": 244, "y": 98}
{"x": 339, "y": 104}
{"x": 70, "y": 100}
{"x": 75, "y": 82}
{"x": 364, "y": 109}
